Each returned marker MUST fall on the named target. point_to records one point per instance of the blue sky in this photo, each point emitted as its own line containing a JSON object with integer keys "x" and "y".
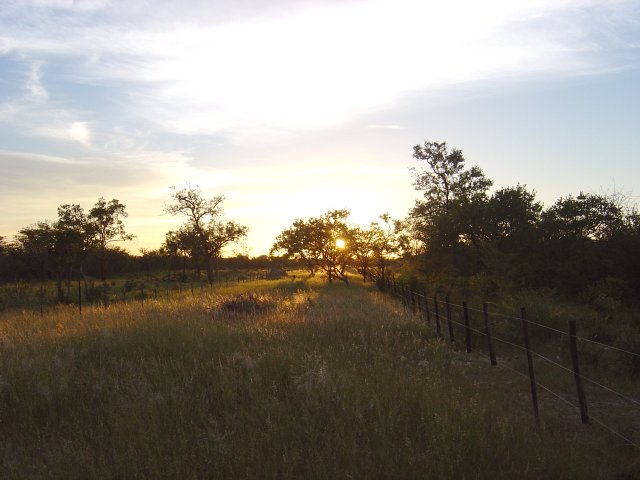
{"x": 291, "y": 108}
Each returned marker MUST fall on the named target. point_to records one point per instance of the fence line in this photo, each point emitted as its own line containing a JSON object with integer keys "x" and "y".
{"x": 547, "y": 327}
{"x": 98, "y": 292}
{"x": 547, "y": 359}
{"x": 408, "y": 296}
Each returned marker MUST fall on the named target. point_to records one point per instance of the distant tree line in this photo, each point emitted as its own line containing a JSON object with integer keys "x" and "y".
{"x": 63, "y": 249}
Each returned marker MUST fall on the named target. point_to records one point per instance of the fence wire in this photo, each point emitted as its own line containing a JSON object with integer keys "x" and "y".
{"x": 404, "y": 294}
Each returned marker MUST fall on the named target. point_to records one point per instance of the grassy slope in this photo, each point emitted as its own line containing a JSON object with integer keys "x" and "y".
{"x": 326, "y": 382}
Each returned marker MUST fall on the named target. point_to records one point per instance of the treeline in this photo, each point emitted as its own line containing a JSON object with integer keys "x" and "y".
{"x": 586, "y": 245}
{"x": 81, "y": 245}
{"x": 457, "y": 236}
{"x": 64, "y": 248}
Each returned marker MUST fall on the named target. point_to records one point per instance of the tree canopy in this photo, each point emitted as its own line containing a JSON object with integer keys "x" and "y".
{"x": 204, "y": 226}
{"x": 321, "y": 243}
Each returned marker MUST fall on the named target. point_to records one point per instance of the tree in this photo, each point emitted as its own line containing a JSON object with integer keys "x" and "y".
{"x": 58, "y": 247}
{"x": 362, "y": 243}
{"x": 321, "y": 243}
{"x": 184, "y": 243}
{"x": 204, "y": 223}
{"x": 37, "y": 244}
{"x": 373, "y": 247}
{"x": 105, "y": 221}
{"x": 577, "y": 247}
{"x": 454, "y": 197}
{"x": 73, "y": 235}
{"x": 513, "y": 217}
{"x": 587, "y": 216}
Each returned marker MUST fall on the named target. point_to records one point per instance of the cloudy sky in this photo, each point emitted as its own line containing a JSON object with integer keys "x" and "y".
{"x": 289, "y": 108}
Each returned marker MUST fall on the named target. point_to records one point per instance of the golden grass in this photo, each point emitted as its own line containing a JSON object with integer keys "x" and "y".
{"x": 262, "y": 380}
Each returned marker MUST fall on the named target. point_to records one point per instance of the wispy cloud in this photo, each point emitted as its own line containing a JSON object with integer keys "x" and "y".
{"x": 33, "y": 85}
{"x": 79, "y": 132}
{"x": 13, "y": 156}
{"x": 319, "y": 66}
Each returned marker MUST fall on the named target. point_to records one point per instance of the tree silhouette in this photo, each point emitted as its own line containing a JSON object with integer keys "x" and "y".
{"x": 204, "y": 223}
{"x": 453, "y": 197}
{"x": 106, "y": 226}
{"x": 315, "y": 242}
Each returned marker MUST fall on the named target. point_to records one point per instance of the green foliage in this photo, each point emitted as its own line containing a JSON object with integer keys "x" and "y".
{"x": 105, "y": 226}
{"x": 204, "y": 233}
{"x": 453, "y": 197}
{"x": 507, "y": 241}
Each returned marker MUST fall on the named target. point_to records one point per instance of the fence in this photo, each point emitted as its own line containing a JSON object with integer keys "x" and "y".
{"x": 80, "y": 292}
{"x": 613, "y": 411}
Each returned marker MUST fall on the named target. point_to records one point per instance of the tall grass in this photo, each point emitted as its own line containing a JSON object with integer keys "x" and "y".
{"x": 317, "y": 381}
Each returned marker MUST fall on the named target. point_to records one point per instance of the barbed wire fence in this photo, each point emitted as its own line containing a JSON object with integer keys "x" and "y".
{"x": 596, "y": 403}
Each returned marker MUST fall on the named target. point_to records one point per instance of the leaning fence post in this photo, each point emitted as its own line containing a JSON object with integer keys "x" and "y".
{"x": 584, "y": 414}
{"x": 467, "y": 329}
{"x": 426, "y": 307}
{"x": 435, "y": 303}
{"x": 487, "y": 328}
{"x": 412, "y": 299}
{"x": 449, "y": 323}
{"x": 41, "y": 300}
{"x": 405, "y": 295}
{"x": 534, "y": 393}
{"x": 80, "y": 296}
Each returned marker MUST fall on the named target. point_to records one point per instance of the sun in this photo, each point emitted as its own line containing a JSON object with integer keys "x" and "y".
{"x": 340, "y": 243}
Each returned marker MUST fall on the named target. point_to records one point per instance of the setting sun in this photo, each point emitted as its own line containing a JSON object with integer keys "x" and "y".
{"x": 340, "y": 243}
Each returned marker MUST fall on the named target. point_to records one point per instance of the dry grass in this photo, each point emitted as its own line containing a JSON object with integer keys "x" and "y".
{"x": 298, "y": 379}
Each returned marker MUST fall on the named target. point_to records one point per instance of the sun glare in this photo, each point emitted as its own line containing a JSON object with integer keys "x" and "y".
{"x": 340, "y": 243}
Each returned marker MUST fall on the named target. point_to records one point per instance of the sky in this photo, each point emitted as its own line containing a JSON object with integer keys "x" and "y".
{"x": 291, "y": 108}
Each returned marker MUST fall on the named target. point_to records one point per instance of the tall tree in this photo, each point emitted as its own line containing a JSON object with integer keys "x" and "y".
{"x": 105, "y": 221}
{"x": 204, "y": 221}
{"x": 453, "y": 196}
{"x": 73, "y": 235}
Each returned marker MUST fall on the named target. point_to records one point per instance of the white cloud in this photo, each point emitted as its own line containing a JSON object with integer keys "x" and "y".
{"x": 66, "y": 131}
{"x": 6, "y": 45}
{"x": 80, "y": 132}
{"x": 34, "y": 85}
{"x": 316, "y": 67}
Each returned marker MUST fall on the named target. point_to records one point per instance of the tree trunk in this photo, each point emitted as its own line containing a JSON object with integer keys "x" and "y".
{"x": 59, "y": 288}
{"x": 210, "y": 270}
{"x": 103, "y": 262}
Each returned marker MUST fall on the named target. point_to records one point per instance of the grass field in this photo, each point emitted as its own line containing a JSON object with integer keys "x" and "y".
{"x": 297, "y": 379}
